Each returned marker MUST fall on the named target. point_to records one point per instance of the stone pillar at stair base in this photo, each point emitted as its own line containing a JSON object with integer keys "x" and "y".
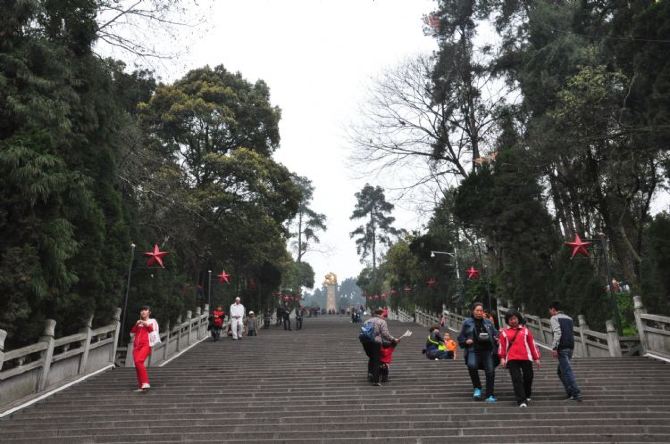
{"x": 613, "y": 343}
{"x": 639, "y": 310}
{"x": 88, "y": 331}
{"x": 3, "y": 336}
{"x": 117, "y": 332}
{"x": 47, "y": 355}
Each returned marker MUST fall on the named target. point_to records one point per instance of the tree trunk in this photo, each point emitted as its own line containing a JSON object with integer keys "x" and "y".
{"x": 299, "y": 237}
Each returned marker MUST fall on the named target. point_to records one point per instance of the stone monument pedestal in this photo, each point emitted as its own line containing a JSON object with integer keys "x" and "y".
{"x": 331, "y": 298}
{"x": 331, "y": 304}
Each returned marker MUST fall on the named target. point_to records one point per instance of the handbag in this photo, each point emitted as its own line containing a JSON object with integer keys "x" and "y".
{"x": 154, "y": 336}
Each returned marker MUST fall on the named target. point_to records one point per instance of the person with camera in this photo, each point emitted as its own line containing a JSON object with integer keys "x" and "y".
{"x": 478, "y": 338}
{"x": 517, "y": 352}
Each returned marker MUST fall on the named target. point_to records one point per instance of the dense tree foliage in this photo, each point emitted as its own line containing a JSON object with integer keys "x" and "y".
{"x": 93, "y": 157}
{"x": 582, "y": 149}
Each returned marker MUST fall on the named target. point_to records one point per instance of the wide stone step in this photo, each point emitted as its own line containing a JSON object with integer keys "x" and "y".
{"x": 310, "y": 386}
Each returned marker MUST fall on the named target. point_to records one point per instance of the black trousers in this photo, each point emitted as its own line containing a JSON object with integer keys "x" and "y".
{"x": 298, "y": 323}
{"x": 287, "y": 324}
{"x": 373, "y": 350}
{"x": 522, "y": 379}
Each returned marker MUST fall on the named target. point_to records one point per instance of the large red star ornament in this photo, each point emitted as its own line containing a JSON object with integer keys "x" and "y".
{"x": 472, "y": 272}
{"x": 431, "y": 282}
{"x": 155, "y": 256}
{"x": 224, "y": 277}
{"x": 578, "y": 246}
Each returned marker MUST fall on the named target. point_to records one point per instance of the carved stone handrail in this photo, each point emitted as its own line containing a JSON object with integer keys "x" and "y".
{"x": 653, "y": 337}
{"x": 654, "y": 331}
{"x": 175, "y": 339}
{"x": 50, "y": 363}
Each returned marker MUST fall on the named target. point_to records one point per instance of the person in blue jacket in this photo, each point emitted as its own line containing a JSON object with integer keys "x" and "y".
{"x": 478, "y": 338}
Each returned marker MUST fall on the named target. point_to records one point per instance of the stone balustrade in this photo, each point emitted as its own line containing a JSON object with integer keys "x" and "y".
{"x": 653, "y": 337}
{"x": 654, "y": 331}
{"x": 52, "y": 362}
{"x": 175, "y": 339}
{"x": 588, "y": 343}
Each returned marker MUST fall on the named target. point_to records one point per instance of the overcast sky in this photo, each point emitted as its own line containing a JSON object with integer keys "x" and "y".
{"x": 317, "y": 57}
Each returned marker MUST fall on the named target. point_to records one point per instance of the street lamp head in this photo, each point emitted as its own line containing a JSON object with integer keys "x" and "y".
{"x": 432, "y": 254}
{"x": 132, "y": 245}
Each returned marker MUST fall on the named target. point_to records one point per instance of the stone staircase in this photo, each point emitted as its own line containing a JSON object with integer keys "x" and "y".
{"x": 310, "y": 386}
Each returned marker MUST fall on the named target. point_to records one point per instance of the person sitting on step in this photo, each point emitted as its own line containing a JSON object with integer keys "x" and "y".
{"x": 450, "y": 345}
{"x": 435, "y": 347}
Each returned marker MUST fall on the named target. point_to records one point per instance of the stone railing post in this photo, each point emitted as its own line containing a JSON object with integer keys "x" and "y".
{"x": 47, "y": 354}
{"x": 167, "y": 341}
{"x": 3, "y": 336}
{"x": 639, "y": 310}
{"x": 583, "y": 326}
{"x": 130, "y": 362}
{"x": 179, "y": 327}
{"x": 189, "y": 322}
{"x": 88, "y": 331}
{"x": 198, "y": 314}
{"x": 499, "y": 315}
{"x": 116, "y": 317}
{"x": 613, "y": 343}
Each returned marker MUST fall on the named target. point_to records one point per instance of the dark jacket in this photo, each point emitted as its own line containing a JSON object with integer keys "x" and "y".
{"x": 468, "y": 332}
{"x": 562, "y": 326}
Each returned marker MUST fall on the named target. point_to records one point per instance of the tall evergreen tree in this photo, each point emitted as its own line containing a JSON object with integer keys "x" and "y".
{"x": 307, "y": 222}
{"x": 378, "y": 230}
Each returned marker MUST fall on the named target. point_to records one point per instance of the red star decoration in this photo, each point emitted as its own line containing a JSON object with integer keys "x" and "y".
{"x": 224, "y": 277}
{"x": 431, "y": 282}
{"x": 578, "y": 246}
{"x": 155, "y": 256}
{"x": 472, "y": 272}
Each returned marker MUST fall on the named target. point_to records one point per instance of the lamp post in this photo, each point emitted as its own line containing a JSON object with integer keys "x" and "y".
{"x": 481, "y": 263}
{"x": 615, "y": 306}
{"x": 209, "y": 288}
{"x": 125, "y": 298}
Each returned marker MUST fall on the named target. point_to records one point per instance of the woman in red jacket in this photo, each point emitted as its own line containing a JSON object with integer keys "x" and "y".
{"x": 142, "y": 346}
{"x": 517, "y": 351}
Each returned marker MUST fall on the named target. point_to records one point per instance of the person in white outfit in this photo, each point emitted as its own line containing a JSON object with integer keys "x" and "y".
{"x": 236, "y": 317}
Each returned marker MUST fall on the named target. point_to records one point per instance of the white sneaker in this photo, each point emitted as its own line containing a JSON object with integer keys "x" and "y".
{"x": 145, "y": 386}
{"x": 523, "y": 405}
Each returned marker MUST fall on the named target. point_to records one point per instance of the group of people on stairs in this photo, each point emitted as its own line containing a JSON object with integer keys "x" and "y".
{"x": 513, "y": 347}
{"x": 146, "y": 334}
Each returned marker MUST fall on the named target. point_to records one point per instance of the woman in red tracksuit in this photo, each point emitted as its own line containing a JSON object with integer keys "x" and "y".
{"x": 141, "y": 347}
{"x": 517, "y": 351}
